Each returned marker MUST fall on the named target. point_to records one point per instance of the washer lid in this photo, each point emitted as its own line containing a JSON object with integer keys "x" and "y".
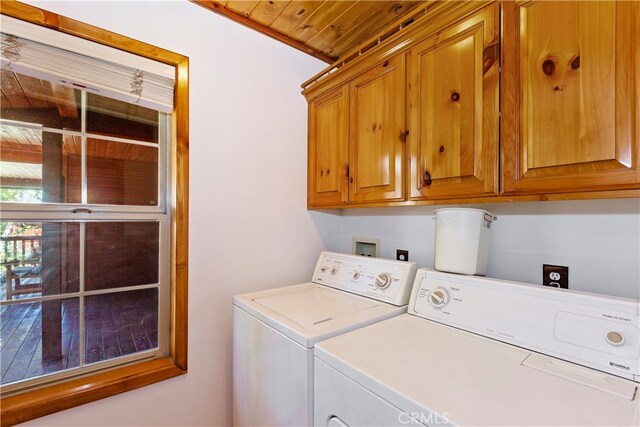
{"x": 309, "y": 313}
{"x": 313, "y": 306}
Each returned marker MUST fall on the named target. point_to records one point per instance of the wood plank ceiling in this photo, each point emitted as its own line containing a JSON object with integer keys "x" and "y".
{"x": 324, "y": 29}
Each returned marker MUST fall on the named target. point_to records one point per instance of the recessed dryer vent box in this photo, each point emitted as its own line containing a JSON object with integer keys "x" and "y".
{"x": 366, "y": 246}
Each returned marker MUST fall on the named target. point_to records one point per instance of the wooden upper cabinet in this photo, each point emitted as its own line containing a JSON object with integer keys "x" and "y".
{"x": 377, "y": 130}
{"x": 328, "y": 156}
{"x": 453, "y": 110}
{"x": 570, "y": 100}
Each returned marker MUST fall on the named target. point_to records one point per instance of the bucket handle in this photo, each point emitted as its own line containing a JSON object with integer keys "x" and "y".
{"x": 493, "y": 217}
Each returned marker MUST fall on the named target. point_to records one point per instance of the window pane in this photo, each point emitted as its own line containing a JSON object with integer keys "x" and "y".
{"x": 37, "y": 166}
{"x": 121, "y": 254}
{"x": 38, "y": 338}
{"x": 39, "y": 259}
{"x": 37, "y": 101}
{"x": 106, "y": 116}
{"x": 120, "y": 324}
{"x": 121, "y": 174}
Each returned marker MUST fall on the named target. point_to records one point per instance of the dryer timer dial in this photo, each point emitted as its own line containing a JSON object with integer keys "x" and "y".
{"x": 439, "y": 297}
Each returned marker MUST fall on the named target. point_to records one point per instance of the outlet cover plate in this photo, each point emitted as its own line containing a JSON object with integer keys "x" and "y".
{"x": 402, "y": 255}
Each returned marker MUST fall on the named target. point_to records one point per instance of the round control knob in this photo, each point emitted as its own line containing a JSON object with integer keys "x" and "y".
{"x": 383, "y": 281}
{"x": 615, "y": 338}
{"x": 323, "y": 269}
{"x": 334, "y": 270}
{"x": 356, "y": 275}
{"x": 439, "y": 297}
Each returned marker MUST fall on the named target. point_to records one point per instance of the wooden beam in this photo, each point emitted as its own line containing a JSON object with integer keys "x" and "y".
{"x": 247, "y": 22}
{"x": 9, "y": 182}
{"x": 65, "y": 99}
{"x": 49, "y": 117}
{"x": 20, "y": 156}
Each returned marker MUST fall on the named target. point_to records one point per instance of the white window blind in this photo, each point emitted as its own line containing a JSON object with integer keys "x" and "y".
{"x": 95, "y": 68}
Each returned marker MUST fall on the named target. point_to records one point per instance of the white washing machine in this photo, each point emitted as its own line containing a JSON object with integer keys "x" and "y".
{"x": 475, "y": 351}
{"x": 274, "y": 332}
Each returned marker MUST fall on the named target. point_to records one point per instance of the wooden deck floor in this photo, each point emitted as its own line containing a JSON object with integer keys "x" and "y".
{"x": 115, "y": 325}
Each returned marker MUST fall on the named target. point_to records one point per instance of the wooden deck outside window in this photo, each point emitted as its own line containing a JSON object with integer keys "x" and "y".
{"x": 71, "y": 266}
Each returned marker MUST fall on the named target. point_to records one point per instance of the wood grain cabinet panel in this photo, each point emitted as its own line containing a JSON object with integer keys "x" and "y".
{"x": 453, "y": 110}
{"x": 570, "y": 100}
{"x": 328, "y": 155}
{"x": 377, "y": 133}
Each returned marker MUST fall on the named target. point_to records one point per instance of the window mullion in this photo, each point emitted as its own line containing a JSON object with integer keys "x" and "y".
{"x": 83, "y": 150}
{"x": 81, "y": 271}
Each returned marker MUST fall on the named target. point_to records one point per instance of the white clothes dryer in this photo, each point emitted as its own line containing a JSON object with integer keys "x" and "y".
{"x": 274, "y": 332}
{"x": 476, "y": 351}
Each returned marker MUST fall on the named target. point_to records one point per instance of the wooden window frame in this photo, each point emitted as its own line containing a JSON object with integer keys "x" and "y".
{"x": 63, "y": 395}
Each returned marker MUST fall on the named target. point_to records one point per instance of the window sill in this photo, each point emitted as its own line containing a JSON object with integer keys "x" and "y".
{"x": 44, "y": 401}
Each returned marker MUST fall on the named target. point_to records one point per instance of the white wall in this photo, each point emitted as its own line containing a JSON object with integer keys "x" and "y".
{"x": 249, "y": 228}
{"x": 599, "y": 240}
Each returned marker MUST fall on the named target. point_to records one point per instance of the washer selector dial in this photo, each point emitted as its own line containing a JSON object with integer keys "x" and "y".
{"x": 439, "y": 297}
{"x": 383, "y": 280}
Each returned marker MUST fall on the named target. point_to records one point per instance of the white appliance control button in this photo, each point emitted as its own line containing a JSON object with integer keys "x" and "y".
{"x": 615, "y": 338}
{"x": 439, "y": 297}
{"x": 356, "y": 275}
{"x": 383, "y": 280}
{"x": 334, "y": 271}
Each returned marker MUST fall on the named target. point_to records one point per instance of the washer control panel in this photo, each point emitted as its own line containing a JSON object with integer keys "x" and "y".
{"x": 598, "y": 331}
{"x": 378, "y": 278}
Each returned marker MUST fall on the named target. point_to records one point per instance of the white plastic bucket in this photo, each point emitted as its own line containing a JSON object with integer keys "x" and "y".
{"x": 462, "y": 240}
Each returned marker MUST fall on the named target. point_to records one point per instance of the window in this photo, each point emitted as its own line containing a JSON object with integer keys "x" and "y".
{"x": 93, "y": 234}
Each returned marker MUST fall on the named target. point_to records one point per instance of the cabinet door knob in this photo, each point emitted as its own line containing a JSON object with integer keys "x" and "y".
{"x": 351, "y": 180}
{"x": 321, "y": 172}
{"x": 426, "y": 178}
{"x": 455, "y": 97}
{"x": 575, "y": 64}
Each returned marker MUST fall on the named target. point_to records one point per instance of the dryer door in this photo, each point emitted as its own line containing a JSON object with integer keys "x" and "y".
{"x": 339, "y": 402}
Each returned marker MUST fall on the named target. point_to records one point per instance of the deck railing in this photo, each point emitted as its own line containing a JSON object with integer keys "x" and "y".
{"x": 20, "y": 249}
{"x": 20, "y": 257}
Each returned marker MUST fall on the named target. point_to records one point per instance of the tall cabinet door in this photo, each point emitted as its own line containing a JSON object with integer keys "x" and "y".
{"x": 378, "y": 133}
{"x": 453, "y": 110}
{"x": 570, "y": 120}
{"x": 328, "y": 157}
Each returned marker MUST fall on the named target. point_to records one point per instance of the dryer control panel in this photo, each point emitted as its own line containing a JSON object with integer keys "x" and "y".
{"x": 378, "y": 278}
{"x": 597, "y": 331}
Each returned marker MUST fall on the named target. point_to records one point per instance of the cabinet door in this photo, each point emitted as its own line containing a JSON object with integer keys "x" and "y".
{"x": 377, "y": 133}
{"x": 328, "y": 156}
{"x": 453, "y": 110}
{"x": 570, "y": 105}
